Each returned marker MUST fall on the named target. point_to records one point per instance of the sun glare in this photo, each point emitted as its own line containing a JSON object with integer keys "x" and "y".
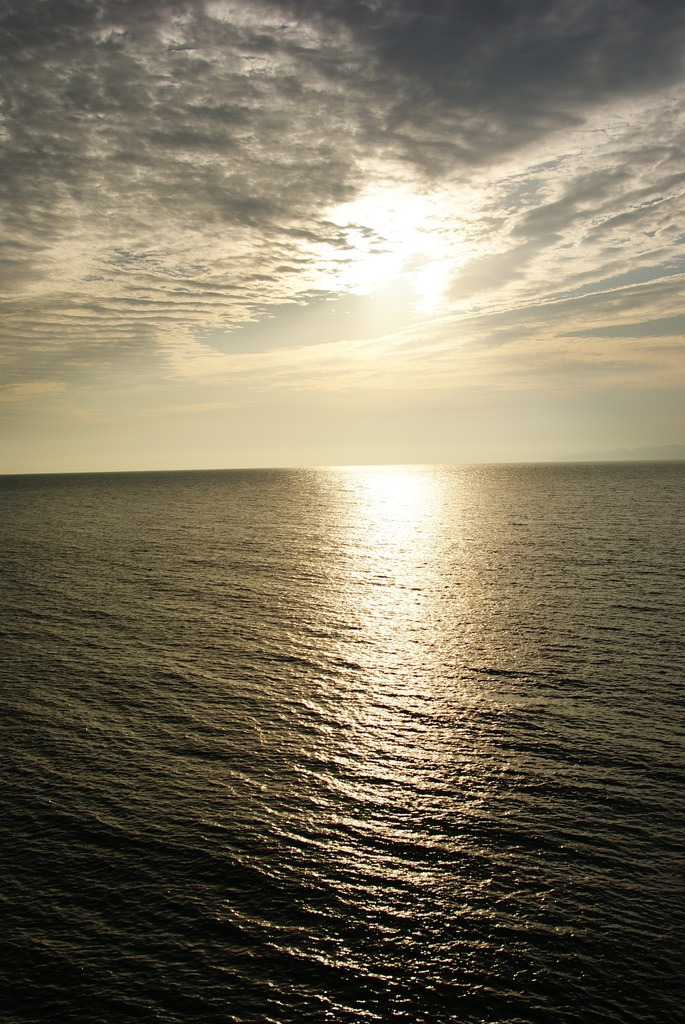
{"x": 394, "y": 510}
{"x": 394, "y": 233}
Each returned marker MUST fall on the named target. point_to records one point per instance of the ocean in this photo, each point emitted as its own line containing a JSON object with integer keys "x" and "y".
{"x": 344, "y": 745}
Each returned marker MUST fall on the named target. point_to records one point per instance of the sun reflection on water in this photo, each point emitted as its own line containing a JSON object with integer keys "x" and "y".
{"x": 401, "y": 744}
{"x": 391, "y": 538}
{"x": 389, "y": 535}
{"x": 391, "y": 516}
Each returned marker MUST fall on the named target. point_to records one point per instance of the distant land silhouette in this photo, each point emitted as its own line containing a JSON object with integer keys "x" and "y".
{"x": 647, "y": 453}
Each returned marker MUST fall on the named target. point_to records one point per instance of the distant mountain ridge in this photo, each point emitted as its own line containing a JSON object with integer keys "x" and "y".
{"x": 647, "y": 453}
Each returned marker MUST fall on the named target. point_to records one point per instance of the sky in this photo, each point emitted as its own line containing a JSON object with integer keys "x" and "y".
{"x": 314, "y": 232}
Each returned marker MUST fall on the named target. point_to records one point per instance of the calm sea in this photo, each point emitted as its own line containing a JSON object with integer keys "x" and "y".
{"x": 347, "y": 745}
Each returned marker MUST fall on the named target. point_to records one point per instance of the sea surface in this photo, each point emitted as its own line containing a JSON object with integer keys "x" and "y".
{"x": 344, "y": 745}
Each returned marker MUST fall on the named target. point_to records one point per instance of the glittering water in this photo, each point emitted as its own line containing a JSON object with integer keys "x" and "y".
{"x": 344, "y": 745}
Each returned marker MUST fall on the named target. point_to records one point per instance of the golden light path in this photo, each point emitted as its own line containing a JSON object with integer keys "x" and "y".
{"x": 391, "y": 589}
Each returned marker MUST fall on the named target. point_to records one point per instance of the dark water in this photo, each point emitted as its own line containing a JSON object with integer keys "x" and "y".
{"x": 344, "y": 745}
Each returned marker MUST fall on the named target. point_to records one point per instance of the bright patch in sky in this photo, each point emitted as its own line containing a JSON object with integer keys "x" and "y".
{"x": 394, "y": 232}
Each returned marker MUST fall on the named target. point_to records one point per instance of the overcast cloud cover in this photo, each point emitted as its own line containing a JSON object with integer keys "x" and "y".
{"x": 416, "y": 230}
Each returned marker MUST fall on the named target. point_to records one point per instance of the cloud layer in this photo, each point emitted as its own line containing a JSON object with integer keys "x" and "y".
{"x": 173, "y": 170}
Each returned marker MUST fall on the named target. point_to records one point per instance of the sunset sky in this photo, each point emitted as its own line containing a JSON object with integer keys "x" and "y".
{"x": 316, "y": 232}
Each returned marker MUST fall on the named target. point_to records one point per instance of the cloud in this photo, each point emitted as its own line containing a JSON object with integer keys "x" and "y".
{"x": 474, "y": 79}
{"x": 31, "y": 389}
{"x": 172, "y": 174}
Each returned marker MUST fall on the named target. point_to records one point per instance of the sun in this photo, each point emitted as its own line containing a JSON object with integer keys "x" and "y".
{"x": 394, "y": 233}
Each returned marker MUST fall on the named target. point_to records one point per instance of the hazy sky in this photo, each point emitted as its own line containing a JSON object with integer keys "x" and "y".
{"x": 314, "y": 232}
